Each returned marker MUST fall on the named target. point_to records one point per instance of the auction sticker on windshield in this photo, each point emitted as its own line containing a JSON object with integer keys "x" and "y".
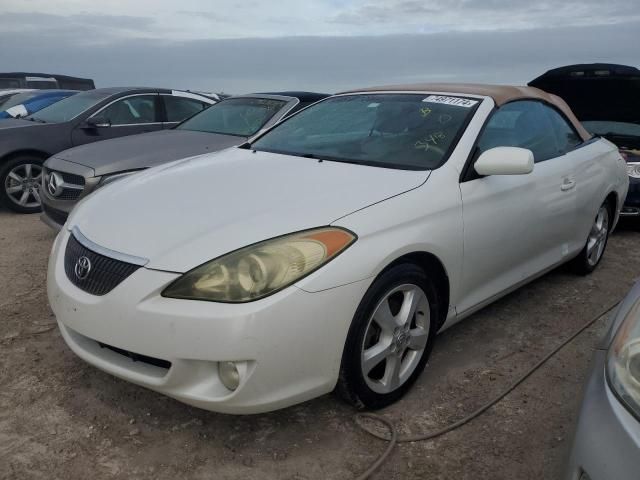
{"x": 456, "y": 101}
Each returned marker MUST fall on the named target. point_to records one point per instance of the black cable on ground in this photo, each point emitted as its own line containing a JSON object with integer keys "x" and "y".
{"x": 393, "y": 439}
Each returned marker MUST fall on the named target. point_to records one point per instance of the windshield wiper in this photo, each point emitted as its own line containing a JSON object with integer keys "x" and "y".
{"x": 321, "y": 158}
{"x": 32, "y": 119}
{"x": 328, "y": 158}
{"x": 314, "y": 156}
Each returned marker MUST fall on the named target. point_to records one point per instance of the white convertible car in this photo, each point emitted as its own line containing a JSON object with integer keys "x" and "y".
{"x": 329, "y": 251}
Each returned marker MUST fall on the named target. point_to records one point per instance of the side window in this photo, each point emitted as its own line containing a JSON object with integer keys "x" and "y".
{"x": 131, "y": 110}
{"x": 42, "y": 84}
{"x": 521, "y": 124}
{"x": 567, "y": 136}
{"x": 9, "y": 83}
{"x": 181, "y": 108}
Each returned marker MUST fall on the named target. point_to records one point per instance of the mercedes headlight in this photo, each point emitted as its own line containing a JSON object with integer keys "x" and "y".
{"x": 261, "y": 269}
{"x": 107, "y": 179}
{"x": 623, "y": 365}
{"x": 633, "y": 169}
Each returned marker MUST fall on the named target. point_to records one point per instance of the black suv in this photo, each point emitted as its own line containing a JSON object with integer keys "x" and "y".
{"x": 41, "y": 81}
{"x": 82, "y": 118}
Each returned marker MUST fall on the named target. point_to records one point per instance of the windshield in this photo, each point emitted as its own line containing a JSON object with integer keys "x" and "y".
{"x": 18, "y": 99}
{"x": 69, "y": 108}
{"x": 406, "y": 131}
{"x": 4, "y": 99}
{"x": 242, "y": 117}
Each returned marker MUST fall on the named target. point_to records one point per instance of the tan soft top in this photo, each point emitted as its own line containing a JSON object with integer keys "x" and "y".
{"x": 500, "y": 94}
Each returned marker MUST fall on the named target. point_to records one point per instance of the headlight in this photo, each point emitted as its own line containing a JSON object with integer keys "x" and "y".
{"x": 107, "y": 179}
{"x": 623, "y": 365}
{"x": 261, "y": 269}
{"x": 633, "y": 169}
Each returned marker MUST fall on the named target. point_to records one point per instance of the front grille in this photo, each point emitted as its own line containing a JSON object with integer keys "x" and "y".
{"x": 70, "y": 179}
{"x": 69, "y": 194}
{"x": 54, "y": 214}
{"x": 136, "y": 357}
{"x": 104, "y": 273}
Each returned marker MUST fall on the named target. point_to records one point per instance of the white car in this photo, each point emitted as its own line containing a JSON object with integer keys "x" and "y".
{"x": 328, "y": 252}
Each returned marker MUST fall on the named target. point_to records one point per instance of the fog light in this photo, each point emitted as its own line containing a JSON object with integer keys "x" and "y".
{"x": 229, "y": 375}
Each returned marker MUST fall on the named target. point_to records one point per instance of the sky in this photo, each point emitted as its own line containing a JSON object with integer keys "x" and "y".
{"x": 319, "y": 45}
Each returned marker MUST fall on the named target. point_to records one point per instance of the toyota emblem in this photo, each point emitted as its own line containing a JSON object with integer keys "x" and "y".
{"x": 82, "y": 268}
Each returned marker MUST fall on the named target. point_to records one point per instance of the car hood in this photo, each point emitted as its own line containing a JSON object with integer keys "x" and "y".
{"x": 183, "y": 214}
{"x": 146, "y": 150}
{"x": 7, "y": 123}
{"x": 596, "y": 91}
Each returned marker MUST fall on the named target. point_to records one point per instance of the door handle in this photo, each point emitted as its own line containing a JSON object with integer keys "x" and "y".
{"x": 567, "y": 184}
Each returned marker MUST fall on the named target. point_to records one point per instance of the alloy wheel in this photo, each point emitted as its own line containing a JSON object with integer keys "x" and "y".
{"x": 598, "y": 236}
{"x": 22, "y": 185}
{"x": 395, "y": 338}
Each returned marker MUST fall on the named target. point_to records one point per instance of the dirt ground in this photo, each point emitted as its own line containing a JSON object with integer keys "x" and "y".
{"x": 62, "y": 419}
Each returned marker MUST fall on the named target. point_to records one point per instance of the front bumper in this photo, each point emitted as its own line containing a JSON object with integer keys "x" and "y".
{"x": 52, "y": 217}
{"x": 607, "y": 439}
{"x": 289, "y": 345}
{"x": 55, "y": 210}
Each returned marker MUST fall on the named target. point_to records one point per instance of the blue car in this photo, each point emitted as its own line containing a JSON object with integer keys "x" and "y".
{"x": 26, "y": 103}
{"x": 606, "y": 99}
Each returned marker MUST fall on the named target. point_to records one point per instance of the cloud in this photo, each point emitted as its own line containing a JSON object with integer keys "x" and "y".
{"x": 200, "y": 14}
{"x": 94, "y": 27}
{"x": 170, "y": 20}
{"x": 473, "y": 15}
{"x": 166, "y": 20}
{"x": 321, "y": 63}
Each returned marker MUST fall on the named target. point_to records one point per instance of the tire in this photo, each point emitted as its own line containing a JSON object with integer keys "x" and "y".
{"x": 591, "y": 255}
{"x": 398, "y": 338}
{"x": 20, "y": 180}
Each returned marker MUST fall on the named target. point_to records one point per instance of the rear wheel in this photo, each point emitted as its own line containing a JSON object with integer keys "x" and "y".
{"x": 390, "y": 338}
{"x": 590, "y": 256}
{"x": 20, "y": 180}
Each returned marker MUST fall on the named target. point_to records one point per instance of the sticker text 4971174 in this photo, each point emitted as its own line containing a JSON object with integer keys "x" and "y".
{"x": 456, "y": 101}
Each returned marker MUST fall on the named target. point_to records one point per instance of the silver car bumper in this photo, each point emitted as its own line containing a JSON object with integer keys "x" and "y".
{"x": 50, "y": 222}
{"x": 56, "y": 205}
{"x": 607, "y": 439}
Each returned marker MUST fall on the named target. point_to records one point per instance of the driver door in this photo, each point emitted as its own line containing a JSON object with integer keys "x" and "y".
{"x": 516, "y": 226}
{"x": 126, "y": 116}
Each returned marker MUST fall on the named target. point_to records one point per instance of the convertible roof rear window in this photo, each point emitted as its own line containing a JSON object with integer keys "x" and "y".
{"x": 404, "y": 131}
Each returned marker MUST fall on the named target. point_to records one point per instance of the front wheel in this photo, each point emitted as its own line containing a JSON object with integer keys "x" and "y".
{"x": 590, "y": 256}
{"x": 20, "y": 180}
{"x": 390, "y": 338}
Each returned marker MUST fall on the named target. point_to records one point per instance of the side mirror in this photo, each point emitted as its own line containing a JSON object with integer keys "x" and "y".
{"x": 98, "y": 122}
{"x": 505, "y": 161}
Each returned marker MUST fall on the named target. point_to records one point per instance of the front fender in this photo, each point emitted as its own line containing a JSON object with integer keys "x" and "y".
{"x": 426, "y": 219}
